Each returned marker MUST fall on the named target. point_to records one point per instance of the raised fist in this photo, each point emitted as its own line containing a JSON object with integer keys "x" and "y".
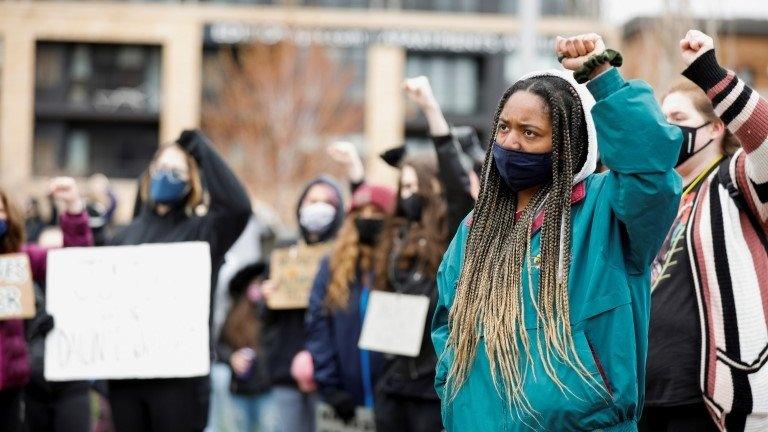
{"x": 694, "y": 44}
{"x": 574, "y": 51}
{"x": 64, "y": 189}
{"x": 420, "y": 92}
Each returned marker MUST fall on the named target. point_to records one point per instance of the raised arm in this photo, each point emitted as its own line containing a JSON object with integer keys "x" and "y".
{"x": 346, "y": 154}
{"x": 744, "y": 112}
{"x": 230, "y": 207}
{"x": 454, "y": 179}
{"x": 73, "y": 222}
{"x": 639, "y": 147}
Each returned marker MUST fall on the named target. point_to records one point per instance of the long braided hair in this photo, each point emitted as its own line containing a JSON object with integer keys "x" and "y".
{"x": 489, "y": 295}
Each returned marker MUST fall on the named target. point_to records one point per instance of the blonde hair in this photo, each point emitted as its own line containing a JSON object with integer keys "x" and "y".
{"x": 347, "y": 257}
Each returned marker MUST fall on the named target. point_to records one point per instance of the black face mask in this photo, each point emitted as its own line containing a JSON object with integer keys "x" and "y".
{"x": 368, "y": 230}
{"x": 412, "y": 207}
{"x": 688, "y": 148}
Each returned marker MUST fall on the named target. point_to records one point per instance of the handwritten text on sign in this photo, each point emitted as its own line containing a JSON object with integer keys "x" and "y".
{"x": 17, "y": 297}
{"x": 394, "y": 323}
{"x": 294, "y": 270}
{"x": 128, "y": 312}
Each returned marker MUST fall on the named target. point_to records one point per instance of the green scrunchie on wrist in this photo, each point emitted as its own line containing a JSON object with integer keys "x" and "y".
{"x": 613, "y": 58}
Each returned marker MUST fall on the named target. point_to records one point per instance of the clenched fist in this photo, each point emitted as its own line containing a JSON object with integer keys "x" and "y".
{"x": 694, "y": 45}
{"x": 420, "y": 92}
{"x": 64, "y": 190}
{"x": 574, "y": 51}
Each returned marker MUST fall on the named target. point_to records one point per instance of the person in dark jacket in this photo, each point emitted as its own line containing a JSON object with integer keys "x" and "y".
{"x": 346, "y": 375}
{"x": 241, "y": 335}
{"x": 172, "y": 193}
{"x": 433, "y": 198}
{"x": 292, "y": 400}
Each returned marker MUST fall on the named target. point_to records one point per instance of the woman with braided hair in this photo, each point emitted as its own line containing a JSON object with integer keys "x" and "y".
{"x": 542, "y": 315}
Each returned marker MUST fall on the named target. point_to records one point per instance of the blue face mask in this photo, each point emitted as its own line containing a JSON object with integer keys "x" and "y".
{"x": 167, "y": 188}
{"x": 521, "y": 170}
{"x": 3, "y": 227}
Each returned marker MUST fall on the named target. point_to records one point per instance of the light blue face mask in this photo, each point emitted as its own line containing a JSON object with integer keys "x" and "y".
{"x": 167, "y": 188}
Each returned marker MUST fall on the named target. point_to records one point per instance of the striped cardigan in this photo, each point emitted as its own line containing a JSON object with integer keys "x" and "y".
{"x": 727, "y": 247}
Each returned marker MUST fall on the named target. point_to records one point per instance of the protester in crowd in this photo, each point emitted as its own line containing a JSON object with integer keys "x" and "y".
{"x": 543, "y": 302}
{"x": 292, "y": 399}
{"x": 16, "y": 361}
{"x": 708, "y": 334}
{"x": 101, "y": 205}
{"x": 56, "y": 406}
{"x": 346, "y": 375}
{"x": 172, "y": 192}
{"x": 34, "y": 223}
{"x": 433, "y": 198}
{"x": 245, "y": 251}
{"x": 241, "y": 335}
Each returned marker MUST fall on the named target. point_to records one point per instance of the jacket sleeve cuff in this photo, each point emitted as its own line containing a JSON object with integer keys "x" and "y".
{"x": 705, "y": 71}
{"x": 606, "y": 84}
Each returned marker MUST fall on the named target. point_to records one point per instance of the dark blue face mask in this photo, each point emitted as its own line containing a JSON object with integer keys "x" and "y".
{"x": 167, "y": 188}
{"x": 521, "y": 170}
{"x": 3, "y": 227}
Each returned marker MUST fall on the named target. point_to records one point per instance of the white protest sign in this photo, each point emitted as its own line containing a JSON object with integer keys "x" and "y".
{"x": 128, "y": 312}
{"x": 394, "y": 323}
{"x": 17, "y": 296}
{"x": 327, "y": 421}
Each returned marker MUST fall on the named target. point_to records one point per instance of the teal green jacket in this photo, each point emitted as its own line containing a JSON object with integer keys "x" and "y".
{"x": 619, "y": 220}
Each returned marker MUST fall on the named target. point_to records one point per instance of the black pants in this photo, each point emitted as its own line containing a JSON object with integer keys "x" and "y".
{"x": 10, "y": 410}
{"x": 396, "y": 413}
{"x": 684, "y": 418}
{"x": 160, "y": 405}
{"x": 58, "y": 407}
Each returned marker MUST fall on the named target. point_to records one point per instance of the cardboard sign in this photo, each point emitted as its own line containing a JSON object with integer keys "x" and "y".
{"x": 128, "y": 312}
{"x": 394, "y": 323}
{"x": 327, "y": 421}
{"x": 17, "y": 295}
{"x": 294, "y": 269}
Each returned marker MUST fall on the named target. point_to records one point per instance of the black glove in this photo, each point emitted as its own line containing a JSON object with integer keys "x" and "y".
{"x": 343, "y": 404}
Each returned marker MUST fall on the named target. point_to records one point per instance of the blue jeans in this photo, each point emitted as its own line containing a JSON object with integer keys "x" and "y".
{"x": 249, "y": 412}
{"x": 289, "y": 410}
{"x": 222, "y": 410}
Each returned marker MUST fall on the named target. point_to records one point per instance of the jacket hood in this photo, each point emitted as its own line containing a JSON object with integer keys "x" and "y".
{"x": 587, "y": 102}
{"x": 340, "y": 210}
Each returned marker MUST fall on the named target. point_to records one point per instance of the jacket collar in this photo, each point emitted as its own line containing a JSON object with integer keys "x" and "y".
{"x": 578, "y": 193}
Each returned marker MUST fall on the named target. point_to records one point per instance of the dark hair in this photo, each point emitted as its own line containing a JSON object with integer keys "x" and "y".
{"x": 489, "y": 290}
{"x": 426, "y": 241}
{"x": 15, "y": 237}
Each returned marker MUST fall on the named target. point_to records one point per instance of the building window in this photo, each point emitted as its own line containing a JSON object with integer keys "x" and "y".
{"x": 455, "y": 79}
{"x": 444, "y": 5}
{"x": 514, "y": 67}
{"x": 568, "y": 8}
{"x": 96, "y": 108}
{"x": 571, "y": 8}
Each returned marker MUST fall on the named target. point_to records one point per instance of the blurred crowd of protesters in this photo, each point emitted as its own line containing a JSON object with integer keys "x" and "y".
{"x": 705, "y": 342}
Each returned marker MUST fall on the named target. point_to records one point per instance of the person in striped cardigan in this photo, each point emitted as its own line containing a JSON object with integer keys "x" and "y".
{"x": 708, "y": 341}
